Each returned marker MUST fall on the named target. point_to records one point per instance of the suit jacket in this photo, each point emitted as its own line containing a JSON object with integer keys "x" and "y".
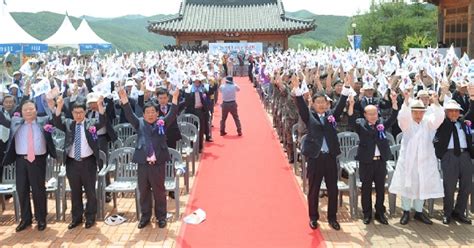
{"x": 462, "y": 100}
{"x": 68, "y": 126}
{"x": 313, "y": 143}
{"x": 369, "y": 137}
{"x": 172, "y": 133}
{"x": 111, "y": 135}
{"x": 15, "y": 123}
{"x": 444, "y": 132}
{"x": 147, "y": 134}
{"x": 190, "y": 101}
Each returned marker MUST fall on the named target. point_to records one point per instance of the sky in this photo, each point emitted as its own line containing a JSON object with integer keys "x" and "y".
{"x": 117, "y": 8}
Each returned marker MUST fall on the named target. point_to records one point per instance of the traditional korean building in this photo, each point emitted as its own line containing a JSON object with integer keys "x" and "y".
{"x": 200, "y": 22}
{"x": 456, "y": 23}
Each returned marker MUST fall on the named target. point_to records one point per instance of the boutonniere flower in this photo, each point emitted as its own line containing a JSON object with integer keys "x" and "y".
{"x": 332, "y": 120}
{"x": 468, "y": 126}
{"x": 48, "y": 128}
{"x": 160, "y": 123}
{"x": 93, "y": 132}
{"x": 16, "y": 114}
{"x": 381, "y": 129}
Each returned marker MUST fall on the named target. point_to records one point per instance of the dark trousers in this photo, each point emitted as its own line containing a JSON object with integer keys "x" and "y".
{"x": 322, "y": 166}
{"x": 456, "y": 169}
{"x": 373, "y": 172}
{"x": 230, "y": 107}
{"x": 151, "y": 180}
{"x": 171, "y": 143}
{"x": 204, "y": 125}
{"x": 31, "y": 175}
{"x": 82, "y": 174}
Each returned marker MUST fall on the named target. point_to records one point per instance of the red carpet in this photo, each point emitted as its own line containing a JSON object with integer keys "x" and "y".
{"x": 247, "y": 187}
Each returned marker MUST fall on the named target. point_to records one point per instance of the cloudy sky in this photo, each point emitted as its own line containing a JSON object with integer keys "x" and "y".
{"x": 116, "y": 8}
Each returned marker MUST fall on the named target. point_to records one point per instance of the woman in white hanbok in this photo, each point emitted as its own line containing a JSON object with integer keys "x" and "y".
{"x": 416, "y": 177}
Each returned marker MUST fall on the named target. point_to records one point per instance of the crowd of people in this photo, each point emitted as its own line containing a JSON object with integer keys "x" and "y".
{"x": 426, "y": 97}
{"x": 85, "y": 97}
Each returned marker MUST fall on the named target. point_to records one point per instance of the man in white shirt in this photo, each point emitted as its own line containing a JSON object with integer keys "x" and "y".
{"x": 81, "y": 150}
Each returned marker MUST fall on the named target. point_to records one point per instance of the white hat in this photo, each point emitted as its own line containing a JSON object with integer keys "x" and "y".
{"x": 422, "y": 93}
{"x": 115, "y": 220}
{"x": 13, "y": 86}
{"x": 393, "y": 48}
{"x": 417, "y": 105}
{"x": 452, "y": 105}
{"x": 16, "y": 73}
{"x": 130, "y": 83}
{"x": 92, "y": 97}
{"x": 80, "y": 78}
{"x": 138, "y": 76}
{"x": 368, "y": 87}
{"x": 201, "y": 77}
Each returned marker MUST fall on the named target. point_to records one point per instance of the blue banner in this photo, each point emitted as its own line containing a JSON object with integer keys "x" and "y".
{"x": 358, "y": 42}
{"x": 25, "y": 48}
{"x": 93, "y": 47}
{"x": 12, "y": 48}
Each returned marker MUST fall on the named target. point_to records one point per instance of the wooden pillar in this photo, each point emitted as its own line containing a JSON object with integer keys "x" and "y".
{"x": 285, "y": 42}
{"x": 441, "y": 24}
{"x": 178, "y": 40}
{"x": 470, "y": 31}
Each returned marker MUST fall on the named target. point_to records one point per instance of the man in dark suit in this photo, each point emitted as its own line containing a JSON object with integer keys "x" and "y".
{"x": 453, "y": 145}
{"x": 28, "y": 146}
{"x": 196, "y": 104}
{"x": 106, "y": 133}
{"x": 81, "y": 151}
{"x": 373, "y": 152}
{"x": 151, "y": 155}
{"x": 321, "y": 147}
{"x": 461, "y": 96}
{"x": 173, "y": 134}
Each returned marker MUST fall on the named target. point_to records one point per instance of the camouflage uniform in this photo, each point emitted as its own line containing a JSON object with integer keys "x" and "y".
{"x": 290, "y": 118}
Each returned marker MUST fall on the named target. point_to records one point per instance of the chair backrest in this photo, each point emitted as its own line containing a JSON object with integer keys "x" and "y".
{"x": 115, "y": 145}
{"x": 58, "y": 134}
{"x": 131, "y": 141}
{"x": 9, "y": 174}
{"x": 124, "y": 130}
{"x": 294, "y": 133}
{"x": 188, "y": 129}
{"x": 125, "y": 169}
{"x": 391, "y": 139}
{"x": 170, "y": 165}
{"x": 183, "y": 143}
{"x": 103, "y": 158}
{"x": 399, "y": 138}
{"x": 395, "y": 149}
{"x": 54, "y": 165}
{"x": 189, "y": 118}
{"x": 347, "y": 140}
{"x": 303, "y": 138}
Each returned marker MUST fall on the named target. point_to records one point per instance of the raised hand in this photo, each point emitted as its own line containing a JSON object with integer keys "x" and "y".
{"x": 434, "y": 98}
{"x": 123, "y": 96}
{"x": 100, "y": 105}
{"x": 470, "y": 89}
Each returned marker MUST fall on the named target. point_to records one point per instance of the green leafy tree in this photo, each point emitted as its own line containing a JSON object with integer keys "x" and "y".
{"x": 417, "y": 41}
{"x": 390, "y": 24}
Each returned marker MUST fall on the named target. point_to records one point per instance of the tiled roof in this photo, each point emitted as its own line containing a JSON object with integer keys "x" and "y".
{"x": 206, "y": 16}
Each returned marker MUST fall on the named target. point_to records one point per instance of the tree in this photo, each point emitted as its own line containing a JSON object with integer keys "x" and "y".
{"x": 390, "y": 24}
{"x": 416, "y": 41}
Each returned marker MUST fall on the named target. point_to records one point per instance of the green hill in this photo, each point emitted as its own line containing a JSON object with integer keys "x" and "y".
{"x": 128, "y": 33}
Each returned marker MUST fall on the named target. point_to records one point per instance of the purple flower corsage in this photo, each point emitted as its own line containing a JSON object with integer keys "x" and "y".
{"x": 332, "y": 120}
{"x": 381, "y": 129}
{"x": 16, "y": 114}
{"x": 468, "y": 126}
{"x": 48, "y": 128}
{"x": 161, "y": 126}
{"x": 93, "y": 132}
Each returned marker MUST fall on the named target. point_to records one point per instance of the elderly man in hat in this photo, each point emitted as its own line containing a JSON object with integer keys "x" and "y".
{"x": 416, "y": 176}
{"x": 229, "y": 104}
{"x": 453, "y": 145}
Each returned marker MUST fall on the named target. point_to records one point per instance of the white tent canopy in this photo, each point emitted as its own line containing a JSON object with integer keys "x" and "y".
{"x": 65, "y": 36}
{"x": 11, "y": 32}
{"x": 87, "y": 35}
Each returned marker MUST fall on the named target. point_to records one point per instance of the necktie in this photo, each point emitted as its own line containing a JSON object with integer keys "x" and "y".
{"x": 324, "y": 147}
{"x": 457, "y": 146}
{"x": 321, "y": 118}
{"x": 31, "y": 147}
{"x": 164, "y": 109}
{"x": 150, "y": 150}
{"x": 77, "y": 142}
